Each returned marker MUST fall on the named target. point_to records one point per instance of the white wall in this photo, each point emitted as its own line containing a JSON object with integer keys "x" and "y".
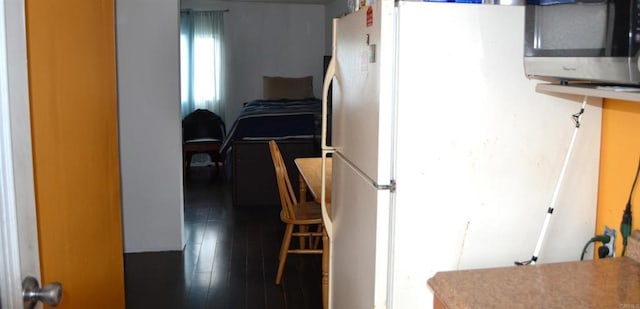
{"x": 334, "y": 9}
{"x": 149, "y": 115}
{"x": 272, "y": 39}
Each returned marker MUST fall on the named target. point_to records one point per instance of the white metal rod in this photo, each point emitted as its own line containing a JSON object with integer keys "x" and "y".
{"x": 554, "y": 198}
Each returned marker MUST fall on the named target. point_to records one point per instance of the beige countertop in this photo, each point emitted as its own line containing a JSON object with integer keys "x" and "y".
{"x": 603, "y": 283}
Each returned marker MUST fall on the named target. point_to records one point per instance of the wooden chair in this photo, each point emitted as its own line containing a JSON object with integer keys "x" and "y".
{"x": 294, "y": 213}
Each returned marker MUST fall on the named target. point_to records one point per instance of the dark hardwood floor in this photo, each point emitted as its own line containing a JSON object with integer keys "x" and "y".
{"x": 230, "y": 259}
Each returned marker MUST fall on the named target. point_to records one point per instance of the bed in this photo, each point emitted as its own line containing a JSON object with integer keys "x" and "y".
{"x": 291, "y": 118}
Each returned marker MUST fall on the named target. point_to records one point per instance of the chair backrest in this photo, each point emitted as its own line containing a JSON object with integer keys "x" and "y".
{"x": 285, "y": 189}
{"x": 203, "y": 123}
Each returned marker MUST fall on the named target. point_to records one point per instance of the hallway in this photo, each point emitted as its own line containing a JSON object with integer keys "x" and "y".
{"x": 229, "y": 261}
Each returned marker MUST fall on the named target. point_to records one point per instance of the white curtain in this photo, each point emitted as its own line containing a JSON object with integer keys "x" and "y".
{"x": 201, "y": 61}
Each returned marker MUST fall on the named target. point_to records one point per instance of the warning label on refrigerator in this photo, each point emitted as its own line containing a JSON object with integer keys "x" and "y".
{"x": 369, "y": 16}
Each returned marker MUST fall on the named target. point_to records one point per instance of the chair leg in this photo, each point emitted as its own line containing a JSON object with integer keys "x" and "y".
{"x": 215, "y": 158}
{"x": 187, "y": 163}
{"x": 286, "y": 241}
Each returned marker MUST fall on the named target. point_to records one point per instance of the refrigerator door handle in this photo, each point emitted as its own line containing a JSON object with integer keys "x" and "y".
{"x": 328, "y": 78}
{"x": 326, "y": 218}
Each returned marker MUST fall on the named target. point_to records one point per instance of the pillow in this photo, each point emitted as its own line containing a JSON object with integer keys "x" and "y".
{"x": 291, "y": 88}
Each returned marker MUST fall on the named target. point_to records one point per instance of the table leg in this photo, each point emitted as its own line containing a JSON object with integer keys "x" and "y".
{"x": 303, "y": 190}
{"x": 303, "y": 239}
{"x": 303, "y": 198}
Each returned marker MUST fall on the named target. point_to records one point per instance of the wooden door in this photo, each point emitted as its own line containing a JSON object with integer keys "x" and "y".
{"x": 72, "y": 88}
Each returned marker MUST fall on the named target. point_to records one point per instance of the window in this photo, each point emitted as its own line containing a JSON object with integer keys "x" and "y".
{"x": 201, "y": 61}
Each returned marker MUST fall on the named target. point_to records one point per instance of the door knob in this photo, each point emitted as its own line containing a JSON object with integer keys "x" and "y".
{"x": 50, "y": 294}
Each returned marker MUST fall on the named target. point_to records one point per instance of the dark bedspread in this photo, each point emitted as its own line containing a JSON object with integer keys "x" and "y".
{"x": 263, "y": 119}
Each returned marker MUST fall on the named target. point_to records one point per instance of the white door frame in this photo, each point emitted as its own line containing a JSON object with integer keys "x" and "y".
{"x": 18, "y": 229}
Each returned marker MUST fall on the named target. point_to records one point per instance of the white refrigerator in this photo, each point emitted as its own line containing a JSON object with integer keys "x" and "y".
{"x": 444, "y": 155}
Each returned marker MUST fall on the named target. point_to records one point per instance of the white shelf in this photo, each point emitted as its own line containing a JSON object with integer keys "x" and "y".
{"x": 612, "y": 92}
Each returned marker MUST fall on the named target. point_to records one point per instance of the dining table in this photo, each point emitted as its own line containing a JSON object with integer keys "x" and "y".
{"x": 310, "y": 171}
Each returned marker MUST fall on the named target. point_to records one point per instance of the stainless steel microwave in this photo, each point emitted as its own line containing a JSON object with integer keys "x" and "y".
{"x": 587, "y": 40}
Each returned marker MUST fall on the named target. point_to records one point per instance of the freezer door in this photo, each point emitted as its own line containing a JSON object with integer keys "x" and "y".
{"x": 359, "y": 246}
{"x": 362, "y": 108}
